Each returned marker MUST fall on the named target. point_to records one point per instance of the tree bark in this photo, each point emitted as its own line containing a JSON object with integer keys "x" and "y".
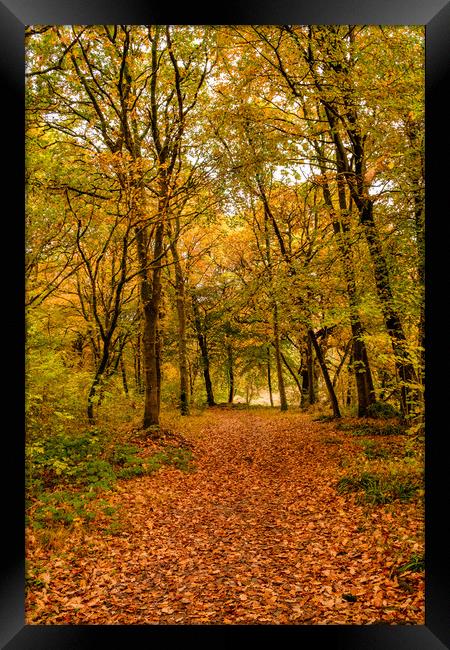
{"x": 230, "y": 371}
{"x": 269, "y": 377}
{"x": 96, "y": 382}
{"x": 405, "y": 369}
{"x": 361, "y": 367}
{"x": 124, "y": 376}
{"x": 310, "y": 372}
{"x": 201, "y": 338}
{"x": 292, "y": 373}
{"x": 137, "y": 364}
{"x": 325, "y": 373}
{"x": 150, "y": 299}
{"x": 276, "y": 342}
{"x": 303, "y": 371}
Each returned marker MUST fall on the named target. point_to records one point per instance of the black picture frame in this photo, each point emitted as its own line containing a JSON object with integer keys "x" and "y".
{"x": 435, "y": 16}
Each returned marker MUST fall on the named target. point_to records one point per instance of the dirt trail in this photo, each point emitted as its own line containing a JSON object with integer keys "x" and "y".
{"x": 257, "y": 534}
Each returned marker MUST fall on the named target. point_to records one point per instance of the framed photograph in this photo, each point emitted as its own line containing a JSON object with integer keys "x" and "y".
{"x": 201, "y": 185}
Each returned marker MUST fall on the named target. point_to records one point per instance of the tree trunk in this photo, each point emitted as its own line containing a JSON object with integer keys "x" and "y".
{"x": 350, "y": 375}
{"x": 182, "y": 348}
{"x": 96, "y": 382}
{"x": 137, "y": 364}
{"x": 124, "y": 376}
{"x": 303, "y": 371}
{"x": 276, "y": 342}
{"x": 91, "y": 395}
{"x": 230, "y": 373}
{"x": 276, "y": 335}
{"x": 326, "y": 376}
{"x": 201, "y": 338}
{"x": 292, "y": 373}
{"x": 269, "y": 377}
{"x": 192, "y": 376}
{"x": 363, "y": 375}
{"x": 150, "y": 298}
{"x": 404, "y": 367}
{"x": 358, "y": 192}
{"x": 151, "y": 371}
{"x": 310, "y": 372}
{"x": 158, "y": 367}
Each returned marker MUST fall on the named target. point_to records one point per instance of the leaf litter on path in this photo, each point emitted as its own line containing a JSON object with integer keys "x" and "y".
{"x": 257, "y": 534}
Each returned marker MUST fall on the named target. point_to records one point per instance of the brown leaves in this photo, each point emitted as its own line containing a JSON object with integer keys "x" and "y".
{"x": 234, "y": 542}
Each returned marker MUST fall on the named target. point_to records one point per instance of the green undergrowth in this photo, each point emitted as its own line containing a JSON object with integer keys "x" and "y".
{"x": 416, "y": 563}
{"x": 382, "y": 410}
{"x": 372, "y": 429}
{"x": 384, "y": 462}
{"x": 323, "y": 418}
{"x": 380, "y": 488}
{"x": 373, "y": 450}
{"x": 67, "y": 474}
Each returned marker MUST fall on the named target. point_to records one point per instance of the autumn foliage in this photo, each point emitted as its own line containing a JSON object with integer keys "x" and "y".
{"x": 225, "y": 371}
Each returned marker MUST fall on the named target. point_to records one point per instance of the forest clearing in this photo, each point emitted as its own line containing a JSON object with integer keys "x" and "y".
{"x": 225, "y": 324}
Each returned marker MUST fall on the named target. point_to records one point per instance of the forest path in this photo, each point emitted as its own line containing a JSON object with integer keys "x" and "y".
{"x": 257, "y": 534}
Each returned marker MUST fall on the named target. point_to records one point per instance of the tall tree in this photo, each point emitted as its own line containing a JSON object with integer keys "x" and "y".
{"x": 345, "y": 113}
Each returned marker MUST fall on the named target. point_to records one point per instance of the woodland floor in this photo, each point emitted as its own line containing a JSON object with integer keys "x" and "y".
{"x": 257, "y": 534}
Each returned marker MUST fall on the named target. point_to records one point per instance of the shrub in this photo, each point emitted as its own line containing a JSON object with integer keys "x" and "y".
{"x": 382, "y": 410}
{"x": 373, "y": 451}
{"x": 80, "y": 466}
{"x": 61, "y": 458}
{"x": 123, "y": 454}
{"x": 324, "y": 418}
{"x": 96, "y": 473}
{"x": 345, "y": 426}
{"x": 62, "y": 507}
{"x": 376, "y": 430}
{"x": 179, "y": 457}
